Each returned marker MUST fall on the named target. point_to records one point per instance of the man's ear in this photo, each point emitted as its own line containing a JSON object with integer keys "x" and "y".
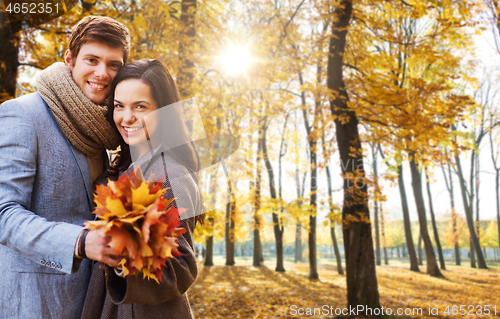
{"x": 68, "y": 59}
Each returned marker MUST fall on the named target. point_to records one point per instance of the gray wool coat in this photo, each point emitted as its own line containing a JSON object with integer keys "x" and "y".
{"x": 112, "y": 297}
{"x": 45, "y": 196}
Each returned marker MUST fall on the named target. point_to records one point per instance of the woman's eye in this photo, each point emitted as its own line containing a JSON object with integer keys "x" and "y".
{"x": 142, "y": 107}
{"x": 118, "y": 106}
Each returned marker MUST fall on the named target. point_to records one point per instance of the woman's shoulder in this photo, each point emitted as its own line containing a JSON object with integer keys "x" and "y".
{"x": 164, "y": 164}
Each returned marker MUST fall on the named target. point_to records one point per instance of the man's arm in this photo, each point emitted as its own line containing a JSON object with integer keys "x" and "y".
{"x": 22, "y": 230}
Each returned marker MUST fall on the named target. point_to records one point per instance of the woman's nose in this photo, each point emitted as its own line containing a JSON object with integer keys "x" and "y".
{"x": 129, "y": 117}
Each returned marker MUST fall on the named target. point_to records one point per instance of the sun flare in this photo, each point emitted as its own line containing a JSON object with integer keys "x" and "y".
{"x": 236, "y": 60}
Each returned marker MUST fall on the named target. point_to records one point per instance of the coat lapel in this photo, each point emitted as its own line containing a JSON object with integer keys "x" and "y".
{"x": 81, "y": 160}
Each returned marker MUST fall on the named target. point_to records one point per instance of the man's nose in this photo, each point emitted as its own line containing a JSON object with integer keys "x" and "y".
{"x": 101, "y": 71}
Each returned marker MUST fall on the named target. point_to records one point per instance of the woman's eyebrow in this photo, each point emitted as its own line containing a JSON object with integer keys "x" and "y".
{"x": 137, "y": 102}
{"x": 142, "y": 101}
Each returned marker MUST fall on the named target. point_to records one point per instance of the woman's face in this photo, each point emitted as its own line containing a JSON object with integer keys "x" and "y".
{"x": 133, "y": 100}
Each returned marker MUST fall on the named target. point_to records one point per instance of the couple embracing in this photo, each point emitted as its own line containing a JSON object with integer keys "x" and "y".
{"x": 52, "y": 154}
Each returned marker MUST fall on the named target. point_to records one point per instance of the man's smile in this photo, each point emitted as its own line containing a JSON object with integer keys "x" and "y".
{"x": 96, "y": 86}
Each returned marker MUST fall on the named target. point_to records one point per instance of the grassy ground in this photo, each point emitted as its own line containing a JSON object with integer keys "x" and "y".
{"x": 243, "y": 291}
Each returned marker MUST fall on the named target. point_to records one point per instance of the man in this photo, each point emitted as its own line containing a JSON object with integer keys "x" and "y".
{"x": 52, "y": 146}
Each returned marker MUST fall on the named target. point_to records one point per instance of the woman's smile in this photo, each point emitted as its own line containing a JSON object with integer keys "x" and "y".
{"x": 131, "y": 130}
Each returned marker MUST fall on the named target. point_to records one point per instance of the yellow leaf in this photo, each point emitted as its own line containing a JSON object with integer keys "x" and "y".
{"x": 141, "y": 196}
{"x": 115, "y": 206}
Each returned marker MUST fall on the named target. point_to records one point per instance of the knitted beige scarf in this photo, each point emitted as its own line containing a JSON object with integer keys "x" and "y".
{"x": 82, "y": 121}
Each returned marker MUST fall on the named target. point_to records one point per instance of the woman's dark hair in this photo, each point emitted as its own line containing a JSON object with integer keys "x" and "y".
{"x": 164, "y": 91}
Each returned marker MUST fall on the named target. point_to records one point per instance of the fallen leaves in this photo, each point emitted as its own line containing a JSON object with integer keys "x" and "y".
{"x": 250, "y": 292}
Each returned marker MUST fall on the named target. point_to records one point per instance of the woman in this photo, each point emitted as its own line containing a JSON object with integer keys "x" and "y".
{"x": 139, "y": 91}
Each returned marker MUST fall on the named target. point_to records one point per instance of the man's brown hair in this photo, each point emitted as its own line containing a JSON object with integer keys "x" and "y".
{"x": 99, "y": 29}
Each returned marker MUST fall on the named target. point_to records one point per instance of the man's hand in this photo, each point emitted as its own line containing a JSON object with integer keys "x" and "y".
{"x": 97, "y": 248}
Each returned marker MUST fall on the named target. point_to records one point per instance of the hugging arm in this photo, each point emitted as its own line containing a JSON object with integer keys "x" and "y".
{"x": 22, "y": 230}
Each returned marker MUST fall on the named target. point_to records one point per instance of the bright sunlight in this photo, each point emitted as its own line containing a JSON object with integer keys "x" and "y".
{"x": 236, "y": 60}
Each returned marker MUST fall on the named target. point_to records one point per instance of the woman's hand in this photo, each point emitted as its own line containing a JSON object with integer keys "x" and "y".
{"x": 97, "y": 248}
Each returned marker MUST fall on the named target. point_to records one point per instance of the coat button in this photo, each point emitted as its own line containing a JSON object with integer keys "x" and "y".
{"x": 52, "y": 265}
{"x": 58, "y": 266}
{"x": 43, "y": 262}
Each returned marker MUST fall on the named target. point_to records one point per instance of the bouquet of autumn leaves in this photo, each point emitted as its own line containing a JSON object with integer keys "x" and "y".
{"x": 142, "y": 226}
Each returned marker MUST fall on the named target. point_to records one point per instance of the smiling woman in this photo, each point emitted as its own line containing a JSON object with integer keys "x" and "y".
{"x": 138, "y": 91}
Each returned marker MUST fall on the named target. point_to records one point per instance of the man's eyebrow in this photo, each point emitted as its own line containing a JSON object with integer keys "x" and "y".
{"x": 91, "y": 55}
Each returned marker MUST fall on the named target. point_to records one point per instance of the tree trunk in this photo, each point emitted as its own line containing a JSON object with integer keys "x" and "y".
{"x": 497, "y": 169}
{"x": 257, "y": 246}
{"x": 420, "y": 258}
{"x": 277, "y": 224}
{"x": 313, "y": 263}
{"x": 209, "y": 257}
{"x": 472, "y": 254}
{"x": 476, "y": 183}
{"x": 497, "y": 192}
{"x": 282, "y": 153}
{"x": 209, "y": 261}
{"x": 386, "y": 261}
{"x": 469, "y": 218}
{"x": 9, "y": 62}
{"x": 186, "y": 48}
{"x": 332, "y": 222}
{"x": 430, "y": 258}
{"x": 230, "y": 239}
{"x": 434, "y": 226}
{"x": 362, "y": 287}
{"x": 298, "y": 227}
{"x": 406, "y": 220}
{"x": 298, "y": 242}
{"x": 311, "y": 129}
{"x": 257, "y": 249}
{"x": 375, "y": 203}
{"x": 311, "y": 138}
{"x": 449, "y": 186}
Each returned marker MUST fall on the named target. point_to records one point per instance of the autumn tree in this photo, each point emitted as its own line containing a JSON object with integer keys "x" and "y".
{"x": 362, "y": 287}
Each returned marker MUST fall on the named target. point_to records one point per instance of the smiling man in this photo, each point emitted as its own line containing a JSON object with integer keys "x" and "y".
{"x": 52, "y": 148}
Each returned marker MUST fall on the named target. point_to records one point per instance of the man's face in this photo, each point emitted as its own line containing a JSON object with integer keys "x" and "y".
{"x": 95, "y": 68}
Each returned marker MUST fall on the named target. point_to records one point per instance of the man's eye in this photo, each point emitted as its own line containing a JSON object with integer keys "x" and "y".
{"x": 91, "y": 60}
{"x": 115, "y": 66}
